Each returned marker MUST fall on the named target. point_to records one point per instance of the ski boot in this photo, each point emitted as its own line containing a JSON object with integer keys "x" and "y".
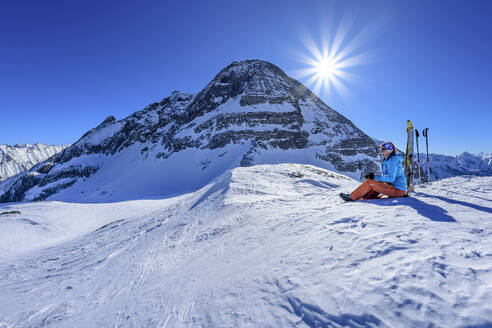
{"x": 346, "y": 197}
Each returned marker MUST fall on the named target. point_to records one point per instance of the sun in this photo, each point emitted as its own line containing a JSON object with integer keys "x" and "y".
{"x": 329, "y": 62}
{"x": 326, "y": 68}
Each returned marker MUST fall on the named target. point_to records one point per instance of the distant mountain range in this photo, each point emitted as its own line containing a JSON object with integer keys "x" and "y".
{"x": 444, "y": 166}
{"x": 18, "y": 158}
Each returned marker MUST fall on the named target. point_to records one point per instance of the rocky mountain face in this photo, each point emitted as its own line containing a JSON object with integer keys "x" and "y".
{"x": 18, "y": 158}
{"x": 250, "y": 113}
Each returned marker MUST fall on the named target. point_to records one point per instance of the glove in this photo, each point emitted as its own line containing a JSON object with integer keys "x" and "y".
{"x": 369, "y": 176}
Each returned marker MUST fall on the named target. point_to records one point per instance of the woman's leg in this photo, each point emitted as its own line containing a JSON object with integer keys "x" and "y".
{"x": 372, "y": 195}
{"x": 378, "y": 186}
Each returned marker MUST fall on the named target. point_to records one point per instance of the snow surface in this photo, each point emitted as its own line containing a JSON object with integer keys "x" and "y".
{"x": 262, "y": 246}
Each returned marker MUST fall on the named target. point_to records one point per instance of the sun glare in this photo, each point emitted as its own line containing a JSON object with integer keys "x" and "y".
{"x": 327, "y": 63}
{"x": 326, "y": 68}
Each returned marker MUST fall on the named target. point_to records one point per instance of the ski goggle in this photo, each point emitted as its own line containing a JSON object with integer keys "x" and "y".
{"x": 387, "y": 146}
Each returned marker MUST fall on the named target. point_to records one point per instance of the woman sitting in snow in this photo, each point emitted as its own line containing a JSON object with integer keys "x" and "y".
{"x": 392, "y": 183}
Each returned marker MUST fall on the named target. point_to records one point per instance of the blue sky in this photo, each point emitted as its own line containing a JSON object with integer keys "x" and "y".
{"x": 67, "y": 65}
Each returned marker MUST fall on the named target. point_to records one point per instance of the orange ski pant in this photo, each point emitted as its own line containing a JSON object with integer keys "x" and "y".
{"x": 372, "y": 186}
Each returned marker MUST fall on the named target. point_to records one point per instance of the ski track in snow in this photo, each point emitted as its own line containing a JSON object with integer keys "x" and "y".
{"x": 265, "y": 246}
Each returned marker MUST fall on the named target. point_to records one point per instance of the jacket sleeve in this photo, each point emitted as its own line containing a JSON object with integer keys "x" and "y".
{"x": 390, "y": 176}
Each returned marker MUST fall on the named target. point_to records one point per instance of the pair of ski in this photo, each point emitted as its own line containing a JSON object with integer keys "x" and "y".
{"x": 409, "y": 161}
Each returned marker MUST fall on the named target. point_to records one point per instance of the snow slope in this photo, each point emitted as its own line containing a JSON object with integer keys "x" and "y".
{"x": 18, "y": 158}
{"x": 260, "y": 246}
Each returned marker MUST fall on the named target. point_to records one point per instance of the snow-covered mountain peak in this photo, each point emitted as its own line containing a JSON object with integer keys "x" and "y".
{"x": 250, "y": 113}
{"x": 251, "y": 70}
{"x": 254, "y": 81}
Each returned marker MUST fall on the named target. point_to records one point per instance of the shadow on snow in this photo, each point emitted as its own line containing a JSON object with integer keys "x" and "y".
{"x": 458, "y": 202}
{"x": 313, "y": 316}
{"x": 432, "y": 212}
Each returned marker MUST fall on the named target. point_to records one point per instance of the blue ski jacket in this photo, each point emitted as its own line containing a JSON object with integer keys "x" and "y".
{"x": 393, "y": 172}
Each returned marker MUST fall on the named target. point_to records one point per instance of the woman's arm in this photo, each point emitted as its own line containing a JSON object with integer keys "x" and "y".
{"x": 390, "y": 176}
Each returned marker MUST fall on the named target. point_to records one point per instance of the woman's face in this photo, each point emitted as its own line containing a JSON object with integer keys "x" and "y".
{"x": 385, "y": 153}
